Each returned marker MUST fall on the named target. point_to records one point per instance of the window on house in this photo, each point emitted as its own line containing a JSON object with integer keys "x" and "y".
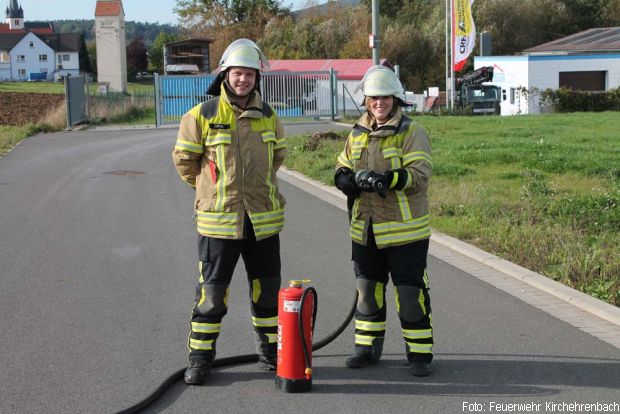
{"x": 21, "y": 72}
{"x": 66, "y": 58}
{"x": 5, "y": 57}
{"x": 21, "y": 58}
{"x": 31, "y": 44}
{"x": 590, "y": 81}
{"x": 42, "y": 58}
{"x": 16, "y": 22}
{"x": 59, "y": 59}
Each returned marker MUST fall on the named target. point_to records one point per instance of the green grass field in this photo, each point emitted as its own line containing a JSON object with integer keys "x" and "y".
{"x": 57, "y": 87}
{"x": 540, "y": 191}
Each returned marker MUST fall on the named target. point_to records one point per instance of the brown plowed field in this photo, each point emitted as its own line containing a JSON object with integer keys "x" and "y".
{"x": 22, "y": 108}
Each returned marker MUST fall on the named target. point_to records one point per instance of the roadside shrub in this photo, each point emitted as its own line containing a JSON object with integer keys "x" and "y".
{"x": 567, "y": 100}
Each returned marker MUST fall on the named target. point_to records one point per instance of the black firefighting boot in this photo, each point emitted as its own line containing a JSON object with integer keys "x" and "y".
{"x": 198, "y": 369}
{"x": 422, "y": 367}
{"x": 267, "y": 352}
{"x": 365, "y": 355}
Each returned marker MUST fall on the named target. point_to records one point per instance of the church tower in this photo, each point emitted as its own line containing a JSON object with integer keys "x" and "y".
{"x": 14, "y": 16}
{"x": 111, "y": 49}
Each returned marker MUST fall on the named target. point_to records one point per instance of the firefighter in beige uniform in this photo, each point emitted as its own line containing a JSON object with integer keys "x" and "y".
{"x": 229, "y": 149}
{"x": 384, "y": 170}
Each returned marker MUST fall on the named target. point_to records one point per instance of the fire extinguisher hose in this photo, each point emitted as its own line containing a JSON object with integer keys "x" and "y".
{"x": 302, "y": 335}
{"x": 243, "y": 359}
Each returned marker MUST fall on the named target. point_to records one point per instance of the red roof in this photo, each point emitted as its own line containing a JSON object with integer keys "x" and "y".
{"x": 109, "y": 8}
{"x": 4, "y": 28}
{"x": 352, "y": 69}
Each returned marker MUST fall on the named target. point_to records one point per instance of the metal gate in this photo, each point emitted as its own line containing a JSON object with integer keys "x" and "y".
{"x": 75, "y": 99}
{"x": 290, "y": 94}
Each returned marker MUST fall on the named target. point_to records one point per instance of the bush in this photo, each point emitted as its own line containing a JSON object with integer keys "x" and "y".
{"x": 567, "y": 100}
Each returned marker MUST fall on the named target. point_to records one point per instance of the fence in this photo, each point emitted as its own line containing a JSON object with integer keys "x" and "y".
{"x": 112, "y": 105}
{"x": 290, "y": 94}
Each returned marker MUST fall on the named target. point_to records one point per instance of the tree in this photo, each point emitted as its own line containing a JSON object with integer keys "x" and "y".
{"x": 389, "y": 8}
{"x": 227, "y": 20}
{"x": 85, "y": 63}
{"x": 156, "y": 51}
{"x": 588, "y": 14}
{"x": 136, "y": 56}
{"x": 516, "y": 26}
{"x": 92, "y": 56}
{"x": 219, "y": 13}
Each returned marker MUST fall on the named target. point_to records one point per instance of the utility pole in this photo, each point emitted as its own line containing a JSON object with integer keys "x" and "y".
{"x": 376, "y": 42}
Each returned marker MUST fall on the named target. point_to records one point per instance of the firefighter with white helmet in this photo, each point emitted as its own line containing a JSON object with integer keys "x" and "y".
{"x": 384, "y": 171}
{"x": 228, "y": 149}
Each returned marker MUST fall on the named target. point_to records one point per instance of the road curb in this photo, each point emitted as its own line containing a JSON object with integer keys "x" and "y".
{"x": 587, "y": 303}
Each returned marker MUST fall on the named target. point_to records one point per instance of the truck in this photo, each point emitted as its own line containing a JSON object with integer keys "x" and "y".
{"x": 471, "y": 93}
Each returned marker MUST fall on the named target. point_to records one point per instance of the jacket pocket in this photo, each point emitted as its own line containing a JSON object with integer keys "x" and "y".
{"x": 218, "y": 136}
{"x": 268, "y": 136}
{"x": 393, "y": 157}
{"x": 214, "y": 140}
{"x": 356, "y": 153}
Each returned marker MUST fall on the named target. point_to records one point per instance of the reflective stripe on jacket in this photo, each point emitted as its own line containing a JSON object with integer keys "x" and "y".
{"x": 403, "y": 216}
{"x": 230, "y": 156}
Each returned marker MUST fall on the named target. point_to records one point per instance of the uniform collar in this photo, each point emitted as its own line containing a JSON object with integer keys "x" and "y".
{"x": 369, "y": 123}
{"x": 254, "y": 107}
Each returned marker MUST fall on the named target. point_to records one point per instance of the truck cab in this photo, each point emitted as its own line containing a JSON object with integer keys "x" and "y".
{"x": 483, "y": 99}
{"x": 472, "y": 93}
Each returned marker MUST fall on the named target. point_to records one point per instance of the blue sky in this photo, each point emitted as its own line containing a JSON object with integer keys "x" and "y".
{"x": 137, "y": 10}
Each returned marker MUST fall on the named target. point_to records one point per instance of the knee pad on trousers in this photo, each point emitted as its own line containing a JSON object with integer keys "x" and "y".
{"x": 264, "y": 292}
{"x": 371, "y": 297}
{"x": 410, "y": 303}
{"x": 213, "y": 301}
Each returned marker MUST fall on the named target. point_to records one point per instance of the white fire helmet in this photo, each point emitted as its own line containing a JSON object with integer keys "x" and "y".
{"x": 380, "y": 80}
{"x": 244, "y": 53}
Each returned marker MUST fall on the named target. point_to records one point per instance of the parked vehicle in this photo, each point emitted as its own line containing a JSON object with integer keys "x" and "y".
{"x": 37, "y": 76}
{"x": 482, "y": 99}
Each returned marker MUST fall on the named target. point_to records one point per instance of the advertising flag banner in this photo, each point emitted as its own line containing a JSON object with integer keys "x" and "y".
{"x": 463, "y": 32}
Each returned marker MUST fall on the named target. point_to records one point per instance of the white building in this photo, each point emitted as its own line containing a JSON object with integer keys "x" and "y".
{"x": 33, "y": 51}
{"x": 111, "y": 49}
{"x": 586, "y": 61}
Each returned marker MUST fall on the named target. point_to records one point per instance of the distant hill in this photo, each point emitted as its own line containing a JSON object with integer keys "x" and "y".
{"x": 133, "y": 30}
{"x": 323, "y": 8}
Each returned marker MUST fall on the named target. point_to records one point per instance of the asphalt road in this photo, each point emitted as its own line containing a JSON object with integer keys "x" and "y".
{"x": 97, "y": 276}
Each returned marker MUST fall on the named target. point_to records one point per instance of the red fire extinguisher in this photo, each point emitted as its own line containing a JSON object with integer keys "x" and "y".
{"x": 296, "y": 317}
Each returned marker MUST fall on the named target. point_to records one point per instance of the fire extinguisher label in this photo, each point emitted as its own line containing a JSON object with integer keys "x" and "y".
{"x": 291, "y": 306}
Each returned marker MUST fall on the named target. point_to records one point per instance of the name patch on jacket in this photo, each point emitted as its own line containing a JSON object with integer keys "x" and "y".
{"x": 219, "y": 126}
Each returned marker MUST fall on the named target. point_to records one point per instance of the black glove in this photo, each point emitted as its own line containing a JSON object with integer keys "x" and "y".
{"x": 371, "y": 181}
{"x": 345, "y": 182}
{"x": 397, "y": 179}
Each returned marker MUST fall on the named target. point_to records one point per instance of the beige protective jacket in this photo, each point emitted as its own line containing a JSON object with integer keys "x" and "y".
{"x": 403, "y": 216}
{"x": 230, "y": 156}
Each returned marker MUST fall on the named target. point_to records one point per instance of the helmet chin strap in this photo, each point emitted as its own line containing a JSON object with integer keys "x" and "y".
{"x": 222, "y": 78}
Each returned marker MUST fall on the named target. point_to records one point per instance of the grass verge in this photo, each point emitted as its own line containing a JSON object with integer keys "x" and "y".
{"x": 540, "y": 191}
